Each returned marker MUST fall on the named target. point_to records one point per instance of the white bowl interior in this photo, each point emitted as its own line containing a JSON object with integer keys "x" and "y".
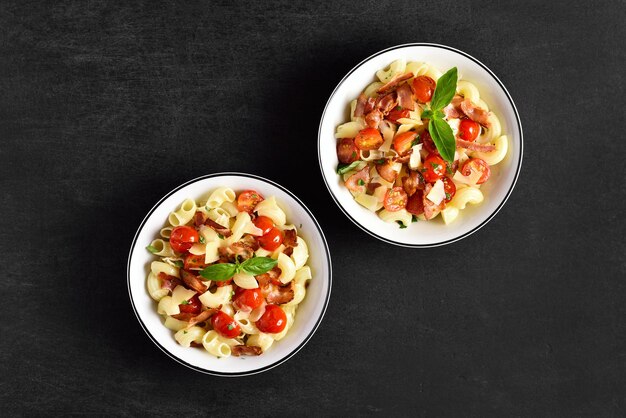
{"x": 309, "y": 313}
{"x": 496, "y": 190}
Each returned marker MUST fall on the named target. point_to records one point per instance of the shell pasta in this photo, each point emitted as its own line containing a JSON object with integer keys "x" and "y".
{"x": 229, "y": 273}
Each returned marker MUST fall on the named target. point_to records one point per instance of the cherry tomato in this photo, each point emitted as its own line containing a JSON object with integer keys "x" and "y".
{"x": 347, "y": 152}
{"x": 403, "y": 142}
{"x": 395, "y": 199}
{"x": 273, "y": 320}
{"x": 429, "y": 144}
{"x": 476, "y": 164}
{"x": 263, "y": 223}
{"x": 247, "y": 299}
{"x": 434, "y": 168}
{"x": 194, "y": 262}
{"x": 468, "y": 130}
{"x": 182, "y": 238}
{"x": 272, "y": 239}
{"x": 368, "y": 139}
{"x": 423, "y": 88}
{"x": 449, "y": 188}
{"x": 193, "y": 306}
{"x": 225, "y": 325}
{"x": 396, "y": 114}
{"x": 415, "y": 205}
{"x": 247, "y": 200}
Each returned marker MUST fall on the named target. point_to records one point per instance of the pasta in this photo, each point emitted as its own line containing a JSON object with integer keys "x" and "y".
{"x": 388, "y": 159}
{"x": 229, "y": 274}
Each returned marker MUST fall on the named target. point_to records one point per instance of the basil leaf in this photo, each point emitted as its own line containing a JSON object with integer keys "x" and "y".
{"x": 443, "y": 138}
{"x": 344, "y": 168}
{"x": 152, "y": 249}
{"x": 258, "y": 265}
{"x": 179, "y": 264}
{"x": 219, "y": 272}
{"x": 445, "y": 89}
{"x": 427, "y": 114}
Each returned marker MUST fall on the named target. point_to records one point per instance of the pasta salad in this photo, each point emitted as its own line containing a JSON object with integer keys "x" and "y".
{"x": 419, "y": 143}
{"x": 229, "y": 274}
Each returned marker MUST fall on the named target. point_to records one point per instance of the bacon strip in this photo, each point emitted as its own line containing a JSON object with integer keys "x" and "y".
{"x": 386, "y": 171}
{"x": 241, "y": 249}
{"x": 371, "y": 187}
{"x": 269, "y": 277}
{"x": 370, "y": 104}
{"x": 475, "y": 113}
{"x": 169, "y": 282}
{"x": 390, "y": 85}
{"x": 198, "y": 218}
{"x": 192, "y": 281}
{"x": 218, "y": 228}
{"x": 373, "y": 118}
{"x": 290, "y": 239}
{"x": 412, "y": 183}
{"x": 359, "y": 110}
{"x": 245, "y": 350}
{"x": 474, "y": 146}
{"x": 387, "y": 102}
{"x": 278, "y": 295}
{"x": 195, "y": 319}
{"x": 404, "y": 158}
{"x": 405, "y": 97}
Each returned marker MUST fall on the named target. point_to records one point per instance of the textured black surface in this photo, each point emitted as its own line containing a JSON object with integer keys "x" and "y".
{"x": 104, "y": 108}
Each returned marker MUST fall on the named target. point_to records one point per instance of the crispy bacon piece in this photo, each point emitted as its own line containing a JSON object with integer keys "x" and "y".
{"x": 453, "y": 110}
{"x": 290, "y": 238}
{"x": 430, "y": 209}
{"x": 195, "y": 319}
{"x": 386, "y": 103}
{"x": 241, "y": 249}
{"x": 373, "y": 118}
{"x": 412, "y": 183}
{"x": 169, "y": 282}
{"x": 386, "y": 171}
{"x": 245, "y": 350}
{"x": 352, "y": 182}
{"x": 269, "y": 277}
{"x": 370, "y": 104}
{"x": 391, "y": 84}
{"x": 278, "y": 295}
{"x": 474, "y": 146}
{"x": 218, "y": 228}
{"x": 251, "y": 242}
{"x": 198, "y": 218}
{"x": 403, "y": 158}
{"x": 405, "y": 97}
{"x": 372, "y": 186}
{"x": 193, "y": 282}
{"x": 475, "y": 113}
{"x": 359, "y": 110}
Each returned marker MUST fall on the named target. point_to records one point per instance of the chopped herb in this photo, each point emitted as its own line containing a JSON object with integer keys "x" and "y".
{"x": 380, "y": 161}
{"x": 179, "y": 264}
{"x": 344, "y": 168}
{"x": 402, "y": 225}
{"x": 254, "y": 195}
{"x": 398, "y": 107}
{"x": 202, "y": 240}
{"x": 300, "y": 226}
{"x": 185, "y": 332}
{"x": 353, "y": 154}
{"x": 361, "y": 182}
{"x": 448, "y": 196}
{"x": 185, "y": 302}
{"x": 152, "y": 249}
{"x": 414, "y": 219}
{"x": 220, "y": 236}
{"x": 424, "y": 170}
{"x": 230, "y": 327}
{"x": 435, "y": 165}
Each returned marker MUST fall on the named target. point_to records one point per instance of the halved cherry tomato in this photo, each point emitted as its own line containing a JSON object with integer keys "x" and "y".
{"x": 434, "y": 168}
{"x": 423, "y": 88}
{"x": 403, "y": 142}
{"x": 192, "y": 306}
{"x": 476, "y": 164}
{"x": 396, "y": 114}
{"x": 273, "y": 320}
{"x": 193, "y": 261}
{"x": 182, "y": 238}
{"x": 272, "y": 239}
{"x": 247, "y": 299}
{"x": 395, "y": 199}
{"x": 247, "y": 200}
{"x": 225, "y": 325}
{"x": 368, "y": 139}
{"x": 415, "y": 205}
{"x": 429, "y": 144}
{"x": 449, "y": 188}
{"x": 263, "y": 223}
{"x": 468, "y": 130}
{"x": 347, "y": 152}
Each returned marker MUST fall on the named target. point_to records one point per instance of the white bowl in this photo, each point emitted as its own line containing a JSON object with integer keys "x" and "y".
{"x": 309, "y": 313}
{"x": 496, "y": 190}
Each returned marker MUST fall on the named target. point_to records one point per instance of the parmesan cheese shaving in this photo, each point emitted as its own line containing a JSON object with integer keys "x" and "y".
{"x": 415, "y": 161}
{"x": 437, "y": 193}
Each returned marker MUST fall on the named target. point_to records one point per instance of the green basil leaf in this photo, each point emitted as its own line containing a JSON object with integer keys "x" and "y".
{"x": 443, "y": 138}
{"x": 258, "y": 265}
{"x": 179, "y": 264}
{"x": 427, "y": 114}
{"x": 445, "y": 89}
{"x": 344, "y": 168}
{"x": 152, "y": 249}
{"x": 219, "y": 272}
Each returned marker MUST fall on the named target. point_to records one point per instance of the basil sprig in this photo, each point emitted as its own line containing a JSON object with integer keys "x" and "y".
{"x": 224, "y": 271}
{"x": 439, "y": 130}
{"x": 344, "y": 168}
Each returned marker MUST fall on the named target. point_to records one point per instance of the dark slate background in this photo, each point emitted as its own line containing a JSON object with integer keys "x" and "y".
{"x": 104, "y": 108}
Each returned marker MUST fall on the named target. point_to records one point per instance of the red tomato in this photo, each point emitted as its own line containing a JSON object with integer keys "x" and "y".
{"x": 247, "y": 200}
{"x": 423, "y": 88}
{"x": 368, "y": 139}
{"x": 395, "y": 199}
{"x": 396, "y": 114}
{"x": 347, "y": 152}
{"x": 479, "y": 165}
{"x": 182, "y": 238}
{"x": 429, "y": 144}
{"x": 469, "y": 130}
{"x": 415, "y": 205}
{"x": 449, "y": 188}
{"x": 434, "y": 168}
{"x": 273, "y": 320}
{"x": 194, "y": 262}
{"x": 247, "y": 299}
{"x": 263, "y": 223}
{"x": 225, "y": 325}
{"x": 403, "y": 142}
{"x": 272, "y": 239}
{"x": 193, "y": 306}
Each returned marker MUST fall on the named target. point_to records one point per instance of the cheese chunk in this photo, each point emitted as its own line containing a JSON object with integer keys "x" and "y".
{"x": 415, "y": 161}
{"x": 437, "y": 193}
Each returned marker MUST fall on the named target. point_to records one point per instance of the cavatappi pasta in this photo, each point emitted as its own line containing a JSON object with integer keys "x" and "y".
{"x": 389, "y": 161}
{"x": 229, "y": 273}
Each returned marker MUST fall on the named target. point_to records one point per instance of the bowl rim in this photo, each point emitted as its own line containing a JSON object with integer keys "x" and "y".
{"x": 292, "y": 352}
{"x": 519, "y": 161}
